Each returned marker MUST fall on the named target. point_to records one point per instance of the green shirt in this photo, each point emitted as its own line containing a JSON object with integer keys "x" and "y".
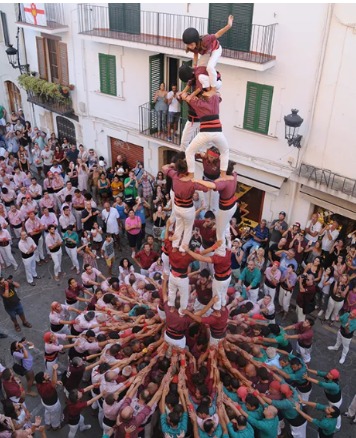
{"x": 330, "y": 386}
{"x": 252, "y": 278}
{"x": 268, "y": 427}
{"x": 263, "y": 358}
{"x": 73, "y": 235}
{"x": 248, "y": 432}
{"x": 326, "y": 424}
{"x": 174, "y": 432}
{"x": 287, "y": 406}
{"x": 217, "y": 433}
{"x": 234, "y": 397}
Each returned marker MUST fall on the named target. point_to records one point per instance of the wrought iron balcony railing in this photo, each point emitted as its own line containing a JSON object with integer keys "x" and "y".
{"x": 253, "y": 43}
{"x": 63, "y": 108}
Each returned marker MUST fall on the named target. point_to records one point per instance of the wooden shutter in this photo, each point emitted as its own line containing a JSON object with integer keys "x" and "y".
{"x": 239, "y": 36}
{"x": 156, "y": 73}
{"x": 63, "y": 64}
{"x": 42, "y": 58}
{"x": 258, "y": 107}
{"x": 107, "y": 70}
{"x": 5, "y": 29}
{"x": 125, "y": 17}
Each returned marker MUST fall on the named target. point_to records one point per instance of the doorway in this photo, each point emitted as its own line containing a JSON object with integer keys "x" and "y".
{"x": 14, "y": 96}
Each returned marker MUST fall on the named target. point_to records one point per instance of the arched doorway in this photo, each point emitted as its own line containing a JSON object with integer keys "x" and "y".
{"x": 66, "y": 129}
{"x": 14, "y": 96}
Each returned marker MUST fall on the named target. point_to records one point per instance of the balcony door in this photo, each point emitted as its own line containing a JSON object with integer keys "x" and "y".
{"x": 239, "y": 36}
{"x": 14, "y": 96}
{"x": 66, "y": 129}
{"x": 125, "y": 17}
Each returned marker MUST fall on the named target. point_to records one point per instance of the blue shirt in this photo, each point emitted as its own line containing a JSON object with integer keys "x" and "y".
{"x": 261, "y": 233}
{"x": 140, "y": 212}
{"x": 285, "y": 262}
{"x": 20, "y": 359}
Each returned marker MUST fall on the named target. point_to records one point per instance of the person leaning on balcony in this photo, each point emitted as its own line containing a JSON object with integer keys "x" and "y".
{"x": 161, "y": 108}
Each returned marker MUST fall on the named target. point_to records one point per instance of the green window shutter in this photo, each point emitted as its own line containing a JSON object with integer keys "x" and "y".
{"x": 125, "y": 17}
{"x": 156, "y": 73}
{"x": 258, "y": 107}
{"x": 107, "y": 69}
{"x": 239, "y": 36}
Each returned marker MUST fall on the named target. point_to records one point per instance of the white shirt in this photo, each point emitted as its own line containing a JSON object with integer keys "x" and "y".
{"x": 326, "y": 243}
{"x": 25, "y": 245}
{"x": 110, "y": 218}
{"x": 313, "y": 227}
{"x": 174, "y": 106}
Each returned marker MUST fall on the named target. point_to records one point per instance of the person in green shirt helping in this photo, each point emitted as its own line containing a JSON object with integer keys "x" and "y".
{"x": 327, "y": 424}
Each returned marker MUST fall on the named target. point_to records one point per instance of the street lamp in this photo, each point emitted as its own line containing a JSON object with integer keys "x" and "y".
{"x": 292, "y": 125}
{"x": 14, "y": 59}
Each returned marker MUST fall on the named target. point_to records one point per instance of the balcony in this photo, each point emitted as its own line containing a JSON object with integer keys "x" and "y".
{"x": 149, "y": 124}
{"x": 250, "y": 45}
{"x": 49, "y": 20}
{"x": 63, "y": 108}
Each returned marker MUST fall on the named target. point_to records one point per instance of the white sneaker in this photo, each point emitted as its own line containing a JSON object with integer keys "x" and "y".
{"x": 86, "y": 427}
{"x": 342, "y": 360}
{"x": 333, "y": 348}
{"x": 320, "y": 312}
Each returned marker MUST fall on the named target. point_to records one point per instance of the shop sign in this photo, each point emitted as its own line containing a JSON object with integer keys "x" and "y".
{"x": 329, "y": 179}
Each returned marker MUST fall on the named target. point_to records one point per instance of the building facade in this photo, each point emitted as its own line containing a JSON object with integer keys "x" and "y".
{"x": 276, "y": 57}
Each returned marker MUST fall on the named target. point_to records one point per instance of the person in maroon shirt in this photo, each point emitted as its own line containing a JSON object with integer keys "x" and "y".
{"x": 74, "y": 374}
{"x": 74, "y": 291}
{"x": 304, "y": 336}
{"x": 207, "y": 229}
{"x": 222, "y": 269}
{"x": 202, "y": 286}
{"x": 75, "y": 405}
{"x": 226, "y": 188}
{"x": 12, "y": 386}
{"x": 211, "y": 172}
{"x": 46, "y": 388}
{"x": 145, "y": 258}
{"x": 178, "y": 276}
{"x": 184, "y": 210}
{"x": 217, "y": 322}
{"x": 207, "y": 109}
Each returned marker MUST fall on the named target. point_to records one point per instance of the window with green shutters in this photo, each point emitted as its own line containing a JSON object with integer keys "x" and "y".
{"x": 239, "y": 36}
{"x": 258, "y": 107}
{"x": 125, "y": 17}
{"x": 107, "y": 68}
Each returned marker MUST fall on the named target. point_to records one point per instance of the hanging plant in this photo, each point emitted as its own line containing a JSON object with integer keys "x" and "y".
{"x": 71, "y": 87}
{"x": 64, "y": 90}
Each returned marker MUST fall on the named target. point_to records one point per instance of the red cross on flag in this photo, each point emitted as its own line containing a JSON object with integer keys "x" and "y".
{"x": 35, "y": 13}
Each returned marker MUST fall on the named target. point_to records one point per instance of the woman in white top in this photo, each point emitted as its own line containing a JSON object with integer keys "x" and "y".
{"x": 327, "y": 279}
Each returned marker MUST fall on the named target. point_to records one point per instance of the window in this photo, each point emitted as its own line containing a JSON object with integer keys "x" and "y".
{"x": 258, "y": 107}
{"x": 4, "y": 29}
{"x": 66, "y": 129}
{"x": 107, "y": 69}
{"x": 124, "y": 17}
{"x": 239, "y": 36}
{"x": 52, "y": 60}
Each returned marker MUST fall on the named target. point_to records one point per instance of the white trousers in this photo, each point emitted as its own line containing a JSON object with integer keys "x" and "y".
{"x": 184, "y": 225}
{"x": 222, "y": 221}
{"x": 300, "y": 314}
{"x": 199, "y": 306}
{"x": 304, "y": 395}
{"x": 205, "y": 81}
{"x": 333, "y": 309}
{"x": 305, "y": 353}
{"x": 165, "y": 263}
{"x": 17, "y": 232}
{"x": 337, "y": 405}
{"x": 180, "y": 343}
{"x": 345, "y": 344}
{"x": 220, "y": 291}
{"x": 181, "y": 285}
{"x": 57, "y": 260}
{"x": 53, "y": 414}
{"x": 73, "y": 255}
{"x": 30, "y": 268}
{"x": 73, "y": 429}
{"x": 6, "y": 254}
{"x": 39, "y": 254}
{"x": 78, "y": 217}
{"x": 204, "y": 265}
{"x": 211, "y": 199}
{"x": 201, "y": 142}
{"x": 189, "y": 132}
{"x": 351, "y": 411}
{"x": 210, "y": 61}
{"x": 269, "y": 291}
{"x": 252, "y": 295}
{"x": 299, "y": 431}
{"x": 284, "y": 298}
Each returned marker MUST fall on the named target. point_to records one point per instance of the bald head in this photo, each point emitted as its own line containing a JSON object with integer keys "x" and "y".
{"x": 126, "y": 414}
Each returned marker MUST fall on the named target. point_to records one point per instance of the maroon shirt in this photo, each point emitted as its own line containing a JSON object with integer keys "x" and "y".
{"x": 176, "y": 325}
{"x": 222, "y": 265}
{"x": 205, "y": 107}
{"x": 11, "y": 388}
{"x": 209, "y": 43}
{"x": 227, "y": 189}
{"x": 146, "y": 260}
{"x": 48, "y": 393}
{"x": 217, "y": 324}
{"x": 135, "y": 422}
{"x": 305, "y": 335}
{"x": 73, "y": 294}
{"x": 179, "y": 262}
{"x": 73, "y": 377}
{"x": 183, "y": 190}
{"x": 204, "y": 291}
{"x": 208, "y": 234}
{"x": 211, "y": 169}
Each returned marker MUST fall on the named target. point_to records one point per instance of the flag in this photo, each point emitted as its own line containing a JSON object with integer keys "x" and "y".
{"x": 35, "y": 13}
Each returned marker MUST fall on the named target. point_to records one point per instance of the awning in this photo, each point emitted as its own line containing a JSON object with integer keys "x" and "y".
{"x": 266, "y": 181}
{"x": 329, "y": 202}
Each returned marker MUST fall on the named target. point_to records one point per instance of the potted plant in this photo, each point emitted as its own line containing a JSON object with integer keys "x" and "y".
{"x": 71, "y": 87}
